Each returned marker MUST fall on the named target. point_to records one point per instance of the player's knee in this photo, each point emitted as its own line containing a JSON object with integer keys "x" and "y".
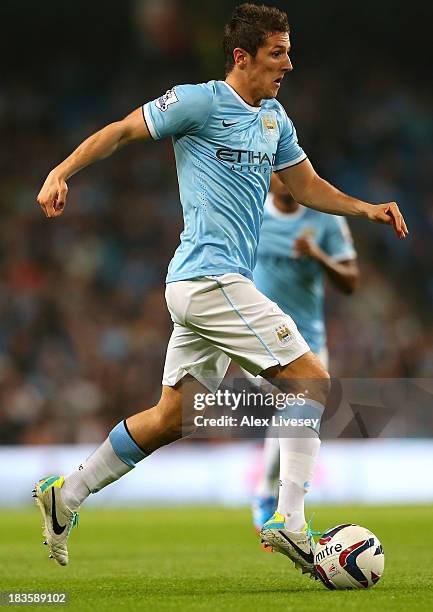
{"x": 318, "y": 382}
{"x": 306, "y": 373}
{"x": 322, "y": 387}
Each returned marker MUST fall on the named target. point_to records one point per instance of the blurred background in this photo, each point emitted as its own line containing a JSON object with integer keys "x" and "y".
{"x": 83, "y": 322}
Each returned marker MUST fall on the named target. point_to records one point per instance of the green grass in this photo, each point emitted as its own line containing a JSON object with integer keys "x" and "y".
{"x": 208, "y": 559}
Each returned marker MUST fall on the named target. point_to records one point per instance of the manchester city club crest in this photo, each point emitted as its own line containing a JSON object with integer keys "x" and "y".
{"x": 284, "y": 334}
{"x": 270, "y": 126}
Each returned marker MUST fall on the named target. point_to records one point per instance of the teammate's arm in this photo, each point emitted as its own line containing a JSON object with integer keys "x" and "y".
{"x": 344, "y": 275}
{"x": 312, "y": 191}
{"x": 52, "y": 196}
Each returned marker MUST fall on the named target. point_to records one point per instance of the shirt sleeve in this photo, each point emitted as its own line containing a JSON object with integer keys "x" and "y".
{"x": 181, "y": 110}
{"x": 338, "y": 241}
{"x": 289, "y": 153}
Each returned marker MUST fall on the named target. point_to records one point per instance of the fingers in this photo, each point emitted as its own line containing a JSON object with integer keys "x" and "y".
{"x": 304, "y": 247}
{"x": 301, "y": 242}
{"x": 44, "y": 206}
{"x": 397, "y": 220}
{"x": 394, "y": 218}
{"x": 52, "y": 209}
{"x": 52, "y": 199}
{"x": 390, "y": 214}
{"x": 299, "y": 247}
{"x": 48, "y": 207}
{"x": 403, "y": 225}
{"x": 59, "y": 205}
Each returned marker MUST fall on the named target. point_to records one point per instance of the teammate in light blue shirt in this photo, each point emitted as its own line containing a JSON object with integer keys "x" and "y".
{"x": 228, "y": 137}
{"x": 225, "y": 153}
{"x": 298, "y": 246}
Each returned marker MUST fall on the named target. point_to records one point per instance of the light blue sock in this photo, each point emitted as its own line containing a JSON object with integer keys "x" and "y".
{"x": 310, "y": 412}
{"x": 124, "y": 445}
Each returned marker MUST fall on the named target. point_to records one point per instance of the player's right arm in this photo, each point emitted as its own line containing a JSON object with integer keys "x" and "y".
{"x": 52, "y": 196}
{"x": 181, "y": 110}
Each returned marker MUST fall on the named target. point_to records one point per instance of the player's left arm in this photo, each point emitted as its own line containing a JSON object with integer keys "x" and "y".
{"x": 344, "y": 275}
{"x": 310, "y": 189}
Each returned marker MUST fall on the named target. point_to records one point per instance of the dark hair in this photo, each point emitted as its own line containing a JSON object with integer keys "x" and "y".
{"x": 248, "y": 28}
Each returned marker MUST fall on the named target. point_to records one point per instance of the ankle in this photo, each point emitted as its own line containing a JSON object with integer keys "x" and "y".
{"x": 295, "y": 521}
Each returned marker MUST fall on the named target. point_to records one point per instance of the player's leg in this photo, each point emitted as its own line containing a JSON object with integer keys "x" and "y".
{"x": 265, "y": 497}
{"x": 127, "y": 444}
{"x": 133, "y": 439}
{"x": 299, "y": 447}
{"x": 266, "y": 493}
{"x": 130, "y": 441}
{"x": 234, "y": 316}
{"x": 261, "y": 338}
{"x": 286, "y": 531}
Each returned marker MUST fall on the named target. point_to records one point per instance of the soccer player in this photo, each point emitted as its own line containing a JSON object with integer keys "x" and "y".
{"x": 228, "y": 136}
{"x": 298, "y": 246}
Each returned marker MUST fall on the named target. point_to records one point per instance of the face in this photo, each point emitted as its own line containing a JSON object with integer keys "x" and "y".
{"x": 266, "y": 71}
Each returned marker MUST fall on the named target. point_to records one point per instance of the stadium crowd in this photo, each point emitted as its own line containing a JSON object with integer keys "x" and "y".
{"x": 83, "y": 322}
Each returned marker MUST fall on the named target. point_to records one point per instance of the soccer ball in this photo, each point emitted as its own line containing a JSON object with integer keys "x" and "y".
{"x": 349, "y": 557}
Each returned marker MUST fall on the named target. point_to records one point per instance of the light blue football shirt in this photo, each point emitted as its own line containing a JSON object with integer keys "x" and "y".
{"x": 296, "y": 284}
{"x": 225, "y": 153}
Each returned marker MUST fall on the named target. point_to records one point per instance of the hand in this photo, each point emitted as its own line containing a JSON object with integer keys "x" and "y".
{"x": 388, "y": 213}
{"x": 305, "y": 246}
{"x": 52, "y": 196}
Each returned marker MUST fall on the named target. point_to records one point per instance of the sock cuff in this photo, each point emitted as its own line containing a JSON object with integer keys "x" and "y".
{"x": 124, "y": 445}
{"x": 310, "y": 410}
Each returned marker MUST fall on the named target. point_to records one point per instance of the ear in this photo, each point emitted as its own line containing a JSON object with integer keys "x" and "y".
{"x": 240, "y": 57}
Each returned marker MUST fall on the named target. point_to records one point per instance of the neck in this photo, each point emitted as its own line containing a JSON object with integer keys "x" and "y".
{"x": 241, "y": 87}
{"x": 285, "y": 206}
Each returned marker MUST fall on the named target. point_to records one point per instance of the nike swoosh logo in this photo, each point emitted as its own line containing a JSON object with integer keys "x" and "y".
{"x": 308, "y": 557}
{"x": 229, "y": 123}
{"x": 58, "y": 529}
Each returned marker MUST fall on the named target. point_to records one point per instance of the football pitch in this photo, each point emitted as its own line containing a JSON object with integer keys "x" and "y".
{"x": 209, "y": 559}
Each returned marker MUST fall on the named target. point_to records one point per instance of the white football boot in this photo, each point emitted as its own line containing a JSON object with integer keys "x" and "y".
{"x": 58, "y": 520}
{"x": 297, "y": 545}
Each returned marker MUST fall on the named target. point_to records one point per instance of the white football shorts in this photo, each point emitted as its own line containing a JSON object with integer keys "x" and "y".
{"x": 218, "y": 318}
